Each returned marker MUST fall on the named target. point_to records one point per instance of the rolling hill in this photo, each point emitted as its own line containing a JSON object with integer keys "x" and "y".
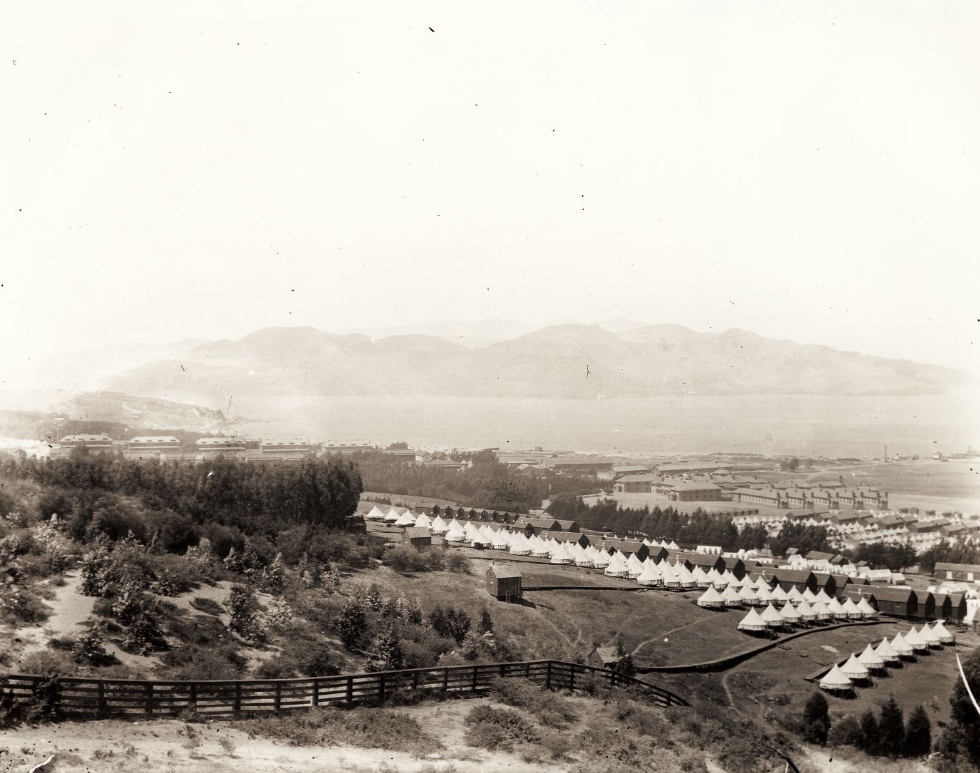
{"x": 566, "y": 361}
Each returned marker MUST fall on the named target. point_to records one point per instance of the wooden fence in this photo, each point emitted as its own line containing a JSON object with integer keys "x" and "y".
{"x": 80, "y": 697}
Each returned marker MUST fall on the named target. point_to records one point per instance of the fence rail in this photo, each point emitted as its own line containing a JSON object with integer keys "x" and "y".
{"x": 80, "y": 697}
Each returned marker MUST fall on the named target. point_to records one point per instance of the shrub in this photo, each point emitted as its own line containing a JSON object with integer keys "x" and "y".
{"x": 550, "y": 709}
{"x": 918, "y": 733}
{"x": 456, "y": 563}
{"x": 491, "y": 728}
{"x": 244, "y": 612}
{"x": 816, "y": 719}
{"x": 845, "y": 732}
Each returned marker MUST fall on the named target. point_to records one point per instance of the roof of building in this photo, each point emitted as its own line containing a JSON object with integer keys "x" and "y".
{"x": 638, "y": 479}
{"x": 607, "y": 654}
{"x": 945, "y": 567}
{"x": 504, "y": 571}
{"x": 900, "y": 593}
{"x": 696, "y": 486}
{"x": 154, "y": 439}
{"x": 414, "y": 532}
{"x": 86, "y": 439}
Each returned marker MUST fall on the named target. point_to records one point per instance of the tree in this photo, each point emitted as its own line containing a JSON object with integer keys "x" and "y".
{"x": 845, "y": 732}
{"x": 243, "y": 609}
{"x": 274, "y": 577}
{"x": 962, "y": 735}
{"x": 870, "y": 734}
{"x": 891, "y": 727}
{"x": 387, "y": 654}
{"x": 816, "y": 719}
{"x": 918, "y": 733}
{"x": 352, "y": 626}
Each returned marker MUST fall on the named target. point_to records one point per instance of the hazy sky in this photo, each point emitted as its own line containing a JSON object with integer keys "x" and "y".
{"x": 802, "y": 170}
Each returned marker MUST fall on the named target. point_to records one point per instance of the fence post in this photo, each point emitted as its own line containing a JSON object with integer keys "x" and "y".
{"x": 350, "y": 689}
{"x": 149, "y": 698}
{"x": 238, "y": 698}
{"x": 571, "y": 678}
{"x": 476, "y": 673}
{"x": 193, "y": 705}
{"x": 381, "y": 687}
{"x": 278, "y": 699}
{"x": 103, "y": 708}
{"x": 315, "y": 699}
{"x": 445, "y": 680}
{"x": 547, "y": 678}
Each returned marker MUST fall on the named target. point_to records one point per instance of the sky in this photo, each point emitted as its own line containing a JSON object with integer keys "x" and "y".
{"x": 805, "y": 170}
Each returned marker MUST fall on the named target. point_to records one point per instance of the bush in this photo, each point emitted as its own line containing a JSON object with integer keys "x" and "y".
{"x": 456, "y": 563}
{"x": 492, "y": 729}
{"x": 549, "y": 708}
{"x": 816, "y": 719}
{"x": 845, "y": 732}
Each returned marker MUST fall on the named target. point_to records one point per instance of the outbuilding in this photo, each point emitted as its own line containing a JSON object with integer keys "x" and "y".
{"x": 504, "y": 582}
{"x": 896, "y": 600}
{"x": 418, "y": 537}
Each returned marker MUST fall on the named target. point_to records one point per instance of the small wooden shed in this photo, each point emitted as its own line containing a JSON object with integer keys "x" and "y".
{"x": 418, "y": 537}
{"x": 504, "y": 582}
{"x": 602, "y": 657}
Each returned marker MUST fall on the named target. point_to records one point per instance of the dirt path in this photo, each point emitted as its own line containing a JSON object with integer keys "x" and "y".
{"x": 642, "y": 644}
{"x": 167, "y": 747}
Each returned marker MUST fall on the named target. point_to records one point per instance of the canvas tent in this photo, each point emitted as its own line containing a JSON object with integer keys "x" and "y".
{"x": 835, "y": 681}
{"x": 752, "y": 622}
{"x": 854, "y": 669}
{"x": 871, "y": 659}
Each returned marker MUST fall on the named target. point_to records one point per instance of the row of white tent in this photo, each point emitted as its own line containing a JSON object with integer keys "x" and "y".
{"x": 774, "y": 617}
{"x": 859, "y": 667}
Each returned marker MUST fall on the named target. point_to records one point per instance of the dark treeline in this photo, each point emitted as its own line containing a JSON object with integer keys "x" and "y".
{"x": 487, "y": 484}
{"x": 109, "y": 495}
{"x": 695, "y": 528}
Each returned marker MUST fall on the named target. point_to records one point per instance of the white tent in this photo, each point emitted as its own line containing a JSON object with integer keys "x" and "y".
{"x": 771, "y": 617}
{"x": 634, "y": 566}
{"x": 854, "y": 669}
{"x": 902, "y": 647}
{"x": 764, "y": 592}
{"x": 752, "y": 622}
{"x": 809, "y": 595}
{"x": 887, "y": 652}
{"x": 748, "y": 596}
{"x": 944, "y": 635}
{"x": 500, "y": 539}
{"x": 560, "y": 555}
{"x": 518, "y": 545}
{"x": 700, "y": 577}
{"x": 375, "y": 514}
{"x": 422, "y": 521}
{"x": 711, "y": 598}
{"x": 790, "y": 614}
{"x": 724, "y": 579}
{"x": 684, "y": 577}
{"x": 651, "y": 575}
{"x": 394, "y": 513}
{"x": 600, "y": 558}
{"x": 871, "y": 659}
{"x": 867, "y": 611}
{"x": 539, "y": 547}
{"x": 714, "y": 578}
{"x": 821, "y": 610}
{"x": 672, "y": 546}
{"x": 670, "y": 576}
{"x": 851, "y": 610}
{"x": 580, "y": 556}
{"x": 455, "y": 533}
{"x": 794, "y": 596}
{"x": 406, "y": 519}
{"x": 617, "y": 566}
{"x": 779, "y": 595}
{"x": 836, "y": 609}
{"x": 917, "y": 643}
{"x": 731, "y": 597}
{"x": 806, "y": 612}
{"x": 439, "y": 526}
{"x": 835, "y": 681}
{"x": 823, "y": 596}
{"x": 930, "y": 638}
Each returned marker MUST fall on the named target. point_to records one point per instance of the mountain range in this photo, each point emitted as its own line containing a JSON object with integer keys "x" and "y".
{"x": 561, "y": 361}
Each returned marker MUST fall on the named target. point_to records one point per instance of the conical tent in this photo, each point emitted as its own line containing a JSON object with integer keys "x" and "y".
{"x": 821, "y": 610}
{"x": 454, "y": 532}
{"x": 823, "y": 596}
{"x": 887, "y": 652}
{"x": 836, "y": 609}
{"x": 913, "y": 639}
{"x": 902, "y": 647}
{"x": 711, "y": 598}
{"x": 700, "y": 577}
{"x": 673, "y": 546}
{"x": 790, "y": 614}
{"x": 684, "y": 577}
{"x": 943, "y": 635}
{"x": 854, "y": 669}
{"x": 600, "y": 558}
{"x": 405, "y": 519}
{"x": 779, "y": 595}
{"x": 771, "y": 617}
{"x": 634, "y": 566}
{"x": 651, "y": 576}
{"x": 929, "y": 637}
{"x": 670, "y": 576}
{"x": 835, "y": 681}
{"x": 748, "y": 596}
{"x": 752, "y": 622}
{"x": 806, "y": 612}
{"x": 794, "y": 596}
{"x": 732, "y": 599}
{"x": 393, "y": 514}
{"x": 851, "y": 610}
{"x": 724, "y": 579}
{"x": 500, "y": 540}
{"x": 809, "y": 595}
{"x": 375, "y": 514}
{"x": 871, "y": 659}
{"x": 617, "y": 566}
{"x": 439, "y": 526}
{"x": 764, "y": 593}
{"x": 422, "y": 521}
{"x": 518, "y": 545}
{"x": 867, "y": 611}
{"x": 714, "y": 577}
